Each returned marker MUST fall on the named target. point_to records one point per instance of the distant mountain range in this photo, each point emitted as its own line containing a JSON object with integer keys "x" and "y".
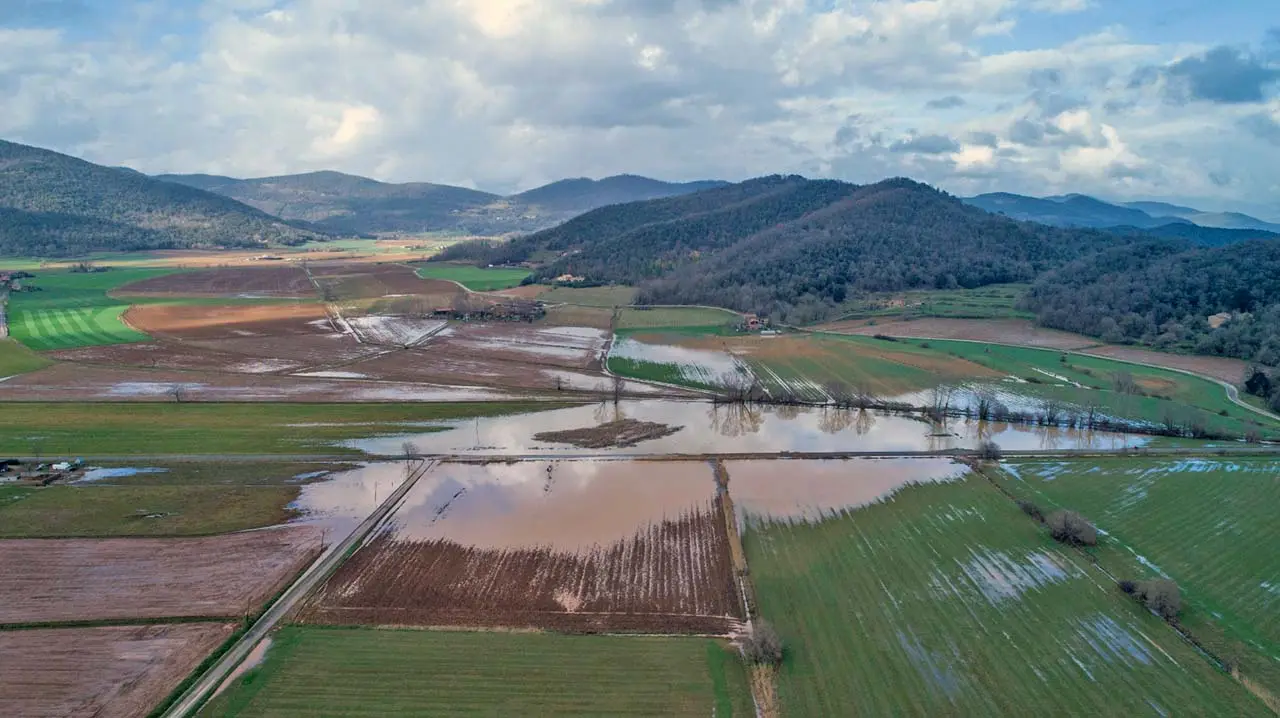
{"x": 347, "y": 204}
{"x": 1159, "y": 218}
{"x": 54, "y": 205}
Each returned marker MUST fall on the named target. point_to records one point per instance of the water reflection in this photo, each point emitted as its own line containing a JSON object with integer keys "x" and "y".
{"x": 339, "y": 504}
{"x": 738, "y": 428}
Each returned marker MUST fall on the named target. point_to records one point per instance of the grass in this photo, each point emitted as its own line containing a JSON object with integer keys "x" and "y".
{"x": 224, "y": 473}
{"x": 17, "y": 359}
{"x": 477, "y": 279}
{"x": 609, "y": 296}
{"x": 148, "y": 429}
{"x": 1210, "y": 524}
{"x": 996, "y": 301}
{"x": 74, "y": 310}
{"x": 101, "y": 511}
{"x": 947, "y": 600}
{"x": 351, "y": 672}
{"x": 670, "y": 317}
{"x": 655, "y": 371}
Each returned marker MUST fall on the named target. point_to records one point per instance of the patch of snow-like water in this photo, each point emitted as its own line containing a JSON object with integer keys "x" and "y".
{"x": 936, "y": 667}
{"x": 1111, "y": 641}
{"x": 395, "y": 330}
{"x": 333, "y": 374}
{"x": 703, "y": 366}
{"x": 1059, "y": 377}
{"x": 547, "y": 350}
{"x": 261, "y": 366}
{"x": 147, "y": 388}
{"x": 98, "y": 474}
{"x": 1000, "y": 577}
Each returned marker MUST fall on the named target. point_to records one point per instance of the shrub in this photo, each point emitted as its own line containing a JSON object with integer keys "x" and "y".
{"x": 762, "y": 645}
{"x": 1031, "y": 510}
{"x": 990, "y": 451}
{"x": 1070, "y": 527}
{"x": 1161, "y": 596}
{"x": 1128, "y": 586}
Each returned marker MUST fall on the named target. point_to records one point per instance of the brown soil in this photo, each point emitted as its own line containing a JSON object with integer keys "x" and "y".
{"x": 228, "y": 321}
{"x": 48, "y": 580}
{"x": 575, "y": 316}
{"x": 273, "y": 281}
{"x": 434, "y": 364}
{"x": 364, "y": 281}
{"x": 673, "y": 576}
{"x": 108, "y": 672}
{"x": 1222, "y": 368}
{"x": 306, "y": 349}
{"x": 1002, "y": 331}
{"x": 172, "y": 355}
{"x": 622, "y": 433}
{"x": 528, "y": 291}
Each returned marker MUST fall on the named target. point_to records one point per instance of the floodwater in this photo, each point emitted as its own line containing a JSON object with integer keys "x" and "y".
{"x": 807, "y": 490}
{"x": 340, "y": 503}
{"x": 561, "y": 505}
{"x": 98, "y": 474}
{"x": 737, "y": 428}
{"x": 700, "y": 365}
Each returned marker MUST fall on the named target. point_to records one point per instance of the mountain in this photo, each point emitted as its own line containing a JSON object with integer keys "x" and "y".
{"x": 1221, "y": 220}
{"x": 582, "y": 194}
{"x": 1078, "y": 210}
{"x": 1206, "y": 236}
{"x": 1162, "y": 294}
{"x": 54, "y": 205}
{"x": 348, "y": 204}
{"x": 793, "y": 248}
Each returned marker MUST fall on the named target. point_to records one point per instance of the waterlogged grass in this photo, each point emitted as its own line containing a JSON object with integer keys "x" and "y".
{"x": 73, "y": 309}
{"x": 101, "y": 511}
{"x": 655, "y": 371}
{"x": 17, "y": 359}
{"x": 477, "y": 279}
{"x": 996, "y": 301}
{"x": 947, "y": 600}
{"x": 146, "y": 429}
{"x": 672, "y": 317}
{"x": 359, "y": 672}
{"x": 1209, "y": 524}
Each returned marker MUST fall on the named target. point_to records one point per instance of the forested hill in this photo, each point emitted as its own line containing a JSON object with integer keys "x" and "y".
{"x": 1163, "y": 294}
{"x": 55, "y": 205}
{"x": 582, "y": 194}
{"x": 795, "y": 248}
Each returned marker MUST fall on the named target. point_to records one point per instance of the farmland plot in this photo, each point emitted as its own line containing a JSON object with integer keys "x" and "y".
{"x": 946, "y": 599}
{"x": 315, "y": 671}
{"x": 675, "y": 364}
{"x": 578, "y": 546}
{"x": 49, "y": 580}
{"x": 571, "y": 347}
{"x": 1207, "y": 523}
{"x": 393, "y": 331}
{"x": 106, "y": 672}
{"x": 263, "y": 281}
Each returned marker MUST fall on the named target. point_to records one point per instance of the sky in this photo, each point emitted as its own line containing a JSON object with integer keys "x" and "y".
{"x": 1176, "y": 100}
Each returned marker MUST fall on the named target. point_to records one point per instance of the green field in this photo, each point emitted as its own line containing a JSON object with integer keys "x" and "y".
{"x": 17, "y": 359}
{"x": 611, "y": 296}
{"x": 996, "y": 301}
{"x": 947, "y": 600}
{"x": 73, "y": 309}
{"x": 364, "y": 672}
{"x": 673, "y": 317}
{"x": 148, "y": 429}
{"x": 477, "y": 279}
{"x": 1210, "y": 524}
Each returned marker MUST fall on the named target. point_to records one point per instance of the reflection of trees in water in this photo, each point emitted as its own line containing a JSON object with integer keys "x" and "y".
{"x": 607, "y": 411}
{"x": 788, "y": 411}
{"x": 736, "y": 419}
{"x": 835, "y": 420}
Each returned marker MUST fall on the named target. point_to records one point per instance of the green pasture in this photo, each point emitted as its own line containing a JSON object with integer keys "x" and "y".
{"x": 17, "y": 359}
{"x": 1207, "y": 523}
{"x": 608, "y": 296}
{"x": 673, "y": 317}
{"x": 364, "y": 672}
{"x": 947, "y": 600}
{"x": 73, "y": 309}
{"x": 477, "y": 279}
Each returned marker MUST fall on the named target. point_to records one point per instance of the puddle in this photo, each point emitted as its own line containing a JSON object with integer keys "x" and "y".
{"x": 339, "y": 504}
{"x": 737, "y": 428}
{"x": 811, "y": 490}
{"x": 561, "y": 505}
{"x": 98, "y": 474}
{"x": 1000, "y": 577}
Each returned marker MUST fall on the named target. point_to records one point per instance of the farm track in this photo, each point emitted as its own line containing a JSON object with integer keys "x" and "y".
{"x": 191, "y": 700}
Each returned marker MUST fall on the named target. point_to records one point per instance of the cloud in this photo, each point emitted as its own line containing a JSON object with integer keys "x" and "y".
{"x": 1263, "y": 126}
{"x": 1228, "y": 75}
{"x": 950, "y": 102}
{"x": 926, "y": 145}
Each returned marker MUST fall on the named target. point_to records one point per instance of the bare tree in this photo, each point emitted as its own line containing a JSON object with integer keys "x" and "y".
{"x": 409, "y": 450}
{"x": 178, "y": 392}
{"x": 1070, "y": 527}
{"x": 1161, "y": 595}
{"x": 762, "y": 645}
{"x": 990, "y": 451}
{"x": 1124, "y": 383}
{"x": 619, "y": 384}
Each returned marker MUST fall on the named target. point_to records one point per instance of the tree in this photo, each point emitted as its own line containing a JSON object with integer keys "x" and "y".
{"x": 1258, "y": 382}
{"x": 1161, "y": 595}
{"x": 762, "y": 645}
{"x": 1071, "y": 528}
{"x": 1124, "y": 383}
{"x": 409, "y": 450}
{"x": 990, "y": 451}
{"x": 619, "y": 385}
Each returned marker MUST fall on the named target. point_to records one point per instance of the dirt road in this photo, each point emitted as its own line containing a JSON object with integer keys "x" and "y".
{"x": 202, "y": 689}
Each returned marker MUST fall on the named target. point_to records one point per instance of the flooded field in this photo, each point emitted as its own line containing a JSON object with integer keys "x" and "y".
{"x": 737, "y": 428}
{"x": 700, "y": 366}
{"x": 784, "y": 489}
{"x": 338, "y": 504}
{"x": 576, "y": 546}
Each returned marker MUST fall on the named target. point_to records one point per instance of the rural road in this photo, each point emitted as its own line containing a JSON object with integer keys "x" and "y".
{"x": 203, "y": 688}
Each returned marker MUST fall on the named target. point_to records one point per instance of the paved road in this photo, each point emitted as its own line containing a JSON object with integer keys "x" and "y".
{"x": 200, "y": 691}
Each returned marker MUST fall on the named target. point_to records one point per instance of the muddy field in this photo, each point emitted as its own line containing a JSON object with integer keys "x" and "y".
{"x": 174, "y": 355}
{"x": 267, "y": 281}
{"x": 570, "y": 347}
{"x": 580, "y": 546}
{"x": 1001, "y": 331}
{"x": 621, "y": 433}
{"x": 229, "y": 321}
{"x": 108, "y": 672}
{"x": 231, "y": 575}
{"x": 1221, "y": 368}
{"x": 366, "y": 281}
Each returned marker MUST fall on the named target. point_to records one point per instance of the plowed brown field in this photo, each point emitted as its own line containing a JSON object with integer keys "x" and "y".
{"x": 272, "y": 281}
{"x": 673, "y": 576}
{"x": 229, "y": 321}
{"x": 47, "y": 580}
{"x": 109, "y": 672}
{"x": 174, "y": 355}
{"x": 365, "y": 281}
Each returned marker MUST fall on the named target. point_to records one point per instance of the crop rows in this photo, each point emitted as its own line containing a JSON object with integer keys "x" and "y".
{"x": 45, "y": 329}
{"x": 672, "y": 576}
